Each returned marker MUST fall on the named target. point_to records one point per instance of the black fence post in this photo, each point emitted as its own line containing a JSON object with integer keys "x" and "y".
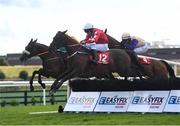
{"x": 25, "y": 98}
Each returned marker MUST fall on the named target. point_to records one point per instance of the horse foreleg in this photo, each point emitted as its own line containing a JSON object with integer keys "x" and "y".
{"x": 65, "y": 78}
{"x": 54, "y": 85}
{"x": 41, "y": 71}
{"x": 31, "y": 80}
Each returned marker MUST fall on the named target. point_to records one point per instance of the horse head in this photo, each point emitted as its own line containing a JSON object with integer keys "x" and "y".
{"x": 57, "y": 41}
{"x": 62, "y": 41}
{"x": 32, "y": 49}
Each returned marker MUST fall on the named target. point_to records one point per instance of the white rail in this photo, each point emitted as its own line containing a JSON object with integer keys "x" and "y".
{"x": 26, "y": 84}
{"x": 21, "y": 83}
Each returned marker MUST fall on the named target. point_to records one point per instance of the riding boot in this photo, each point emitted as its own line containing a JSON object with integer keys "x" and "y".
{"x": 94, "y": 56}
{"x": 134, "y": 58}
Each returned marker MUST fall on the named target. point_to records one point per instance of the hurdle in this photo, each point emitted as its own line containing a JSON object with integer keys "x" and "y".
{"x": 152, "y": 95}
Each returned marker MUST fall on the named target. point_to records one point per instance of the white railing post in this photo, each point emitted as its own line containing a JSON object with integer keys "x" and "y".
{"x": 44, "y": 97}
{"x": 175, "y": 69}
{"x": 68, "y": 90}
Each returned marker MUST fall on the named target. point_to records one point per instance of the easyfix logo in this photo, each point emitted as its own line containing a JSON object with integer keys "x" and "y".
{"x": 113, "y": 100}
{"x": 149, "y": 100}
{"x": 174, "y": 100}
{"x": 81, "y": 100}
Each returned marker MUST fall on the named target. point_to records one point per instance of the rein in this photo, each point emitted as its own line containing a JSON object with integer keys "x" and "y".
{"x": 54, "y": 58}
{"x": 42, "y": 53}
{"x": 74, "y": 45}
{"x": 77, "y": 52}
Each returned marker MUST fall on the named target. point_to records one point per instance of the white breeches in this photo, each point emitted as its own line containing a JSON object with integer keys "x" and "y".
{"x": 142, "y": 49}
{"x": 98, "y": 47}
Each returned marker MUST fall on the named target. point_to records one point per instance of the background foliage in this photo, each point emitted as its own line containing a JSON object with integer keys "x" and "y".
{"x": 12, "y": 72}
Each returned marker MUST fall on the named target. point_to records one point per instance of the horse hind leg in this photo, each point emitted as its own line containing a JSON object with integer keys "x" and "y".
{"x": 56, "y": 83}
{"x": 41, "y": 72}
{"x": 69, "y": 75}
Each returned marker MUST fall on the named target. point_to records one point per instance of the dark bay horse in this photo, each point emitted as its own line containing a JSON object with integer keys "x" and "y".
{"x": 158, "y": 68}
{"x": 120, "y": 62}
{"x": 78, "y": 61}
{"x": 53, "y": 64}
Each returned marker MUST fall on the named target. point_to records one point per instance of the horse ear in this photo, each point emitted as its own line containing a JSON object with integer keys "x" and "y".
{"x": 31, "y": 40}
{"x": 64, "y": 31}
{"x": 35, "y": 40}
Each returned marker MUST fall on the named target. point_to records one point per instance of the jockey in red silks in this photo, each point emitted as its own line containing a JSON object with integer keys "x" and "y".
{"x": 96, "y": 40}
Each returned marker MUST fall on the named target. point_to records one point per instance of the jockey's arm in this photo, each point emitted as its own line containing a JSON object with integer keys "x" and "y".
{"x": 89, "y": 39}
{"x": 132, "y": 45}
{"x": 82, "y": 42}
{"x": 123, "y": 44}
{"x": 96, "y": 36}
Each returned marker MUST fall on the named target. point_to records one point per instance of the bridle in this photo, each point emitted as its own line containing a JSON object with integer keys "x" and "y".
{"x": 40, "y": 54}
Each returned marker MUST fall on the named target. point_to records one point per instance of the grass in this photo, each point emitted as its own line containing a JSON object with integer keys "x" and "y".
{"x": 12, "y": 72}
{"x": 19, "y": 115}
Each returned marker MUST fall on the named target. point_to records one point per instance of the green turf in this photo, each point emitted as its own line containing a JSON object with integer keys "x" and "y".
{"x": 19, "y": 115}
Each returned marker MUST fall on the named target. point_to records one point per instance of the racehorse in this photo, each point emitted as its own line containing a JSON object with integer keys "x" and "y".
{"x": 78, "y": 60}
{"x": 158, "y": 67}
{"x": 53, "y": 64}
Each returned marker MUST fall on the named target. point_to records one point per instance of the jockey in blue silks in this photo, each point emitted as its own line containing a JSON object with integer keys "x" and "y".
{"x": 134, "y": 46}
{"x": 134, "y": 43}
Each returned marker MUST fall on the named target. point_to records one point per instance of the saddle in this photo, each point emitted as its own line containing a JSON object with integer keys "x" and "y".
{"x": 101, "y": 57}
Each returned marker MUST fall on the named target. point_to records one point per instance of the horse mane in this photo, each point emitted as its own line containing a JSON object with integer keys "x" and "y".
{"x": 42, "y": 45}
{"x": 113, "y": 43}
{"x": 73, "y": 38}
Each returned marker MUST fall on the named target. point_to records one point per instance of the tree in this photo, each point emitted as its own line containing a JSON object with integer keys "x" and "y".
{"x": 23, "y": 75}
{"x": 3, "y": 62}
{"x": 2, "y": 75}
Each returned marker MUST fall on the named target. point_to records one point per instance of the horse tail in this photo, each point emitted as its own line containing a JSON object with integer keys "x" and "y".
{"x": 169, "y": 68}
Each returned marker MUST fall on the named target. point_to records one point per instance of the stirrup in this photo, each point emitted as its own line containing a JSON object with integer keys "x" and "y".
{"x": 94, "y": 62}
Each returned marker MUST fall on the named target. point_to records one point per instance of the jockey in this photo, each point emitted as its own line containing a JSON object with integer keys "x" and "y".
{"x": 96, "y": 40}
{"x": 134, "y": 43}
{"x": 134, "y": 46}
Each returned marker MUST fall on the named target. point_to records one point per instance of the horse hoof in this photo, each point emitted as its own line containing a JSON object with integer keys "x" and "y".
{"x": 43, "y": 86}
{"x": 31, "y": 88}
{"x": 31, "y": 82}
{"x": 51, "y": 92}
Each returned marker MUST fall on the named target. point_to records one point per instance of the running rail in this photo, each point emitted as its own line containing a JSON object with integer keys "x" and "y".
{"x": 170, "y": 62}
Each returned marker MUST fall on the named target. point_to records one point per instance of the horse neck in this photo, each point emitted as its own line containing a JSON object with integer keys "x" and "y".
{"x": 72, "y": 46}
{"x": 46, "y": 56}
{"x": 42, "y": 51}
{"x": 113, "y": 43}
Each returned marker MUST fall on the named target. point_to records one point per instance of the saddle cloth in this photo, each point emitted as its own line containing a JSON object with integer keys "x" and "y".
{"x": 102, "y": 57}
{"x": 144, "y": 60}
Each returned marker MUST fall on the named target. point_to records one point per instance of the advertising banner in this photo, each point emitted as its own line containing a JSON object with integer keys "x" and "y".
{"x": 148, "y": 101}
{"x": 173, "y": 103}
{"x": 82, "y": 101}
{"x": 113, "y": 101}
